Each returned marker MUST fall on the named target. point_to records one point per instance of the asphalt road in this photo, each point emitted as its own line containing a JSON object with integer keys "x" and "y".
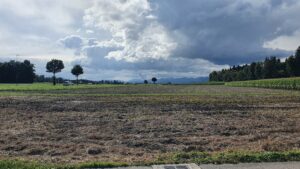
{"x": 281, "y": 165}
{"x": 285, "y": 165}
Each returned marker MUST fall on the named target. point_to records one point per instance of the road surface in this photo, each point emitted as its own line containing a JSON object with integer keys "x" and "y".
{"x": 285, "y": 165}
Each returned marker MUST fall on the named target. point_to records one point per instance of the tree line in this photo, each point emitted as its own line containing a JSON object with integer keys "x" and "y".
{"x": 24, "y": 72}
{"x": 17, "y": 72}
{"x": 271, "y": 67}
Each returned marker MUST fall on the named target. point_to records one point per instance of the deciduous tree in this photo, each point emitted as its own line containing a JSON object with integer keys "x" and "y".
{"x": 76, "y": 71}
{"x": 54, "y": 66}
{"x": 154, "y": 80}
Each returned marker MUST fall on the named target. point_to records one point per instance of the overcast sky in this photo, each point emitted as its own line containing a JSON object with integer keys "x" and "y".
{"x": 132, "y": 39}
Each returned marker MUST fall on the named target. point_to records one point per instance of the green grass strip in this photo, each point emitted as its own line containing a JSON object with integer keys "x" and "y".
{"x": 21, "y": 164}
{"x": 49, "y": 86}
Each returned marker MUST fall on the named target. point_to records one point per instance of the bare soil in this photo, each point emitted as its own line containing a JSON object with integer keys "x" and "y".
{"x": 131, "y": 128}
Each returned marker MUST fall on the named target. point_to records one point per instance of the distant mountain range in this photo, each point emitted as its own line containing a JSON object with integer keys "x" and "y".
{"x": 183, "y": 80}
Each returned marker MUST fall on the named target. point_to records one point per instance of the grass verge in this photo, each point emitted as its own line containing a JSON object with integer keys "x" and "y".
{"x": 189, "y": 157}
{"x": 231, "y": 157}
{"x": 21, "y": 164}
{"x": 49, "y": 86}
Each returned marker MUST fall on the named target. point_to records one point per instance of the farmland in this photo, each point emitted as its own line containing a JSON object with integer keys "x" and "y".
{"x": 281, "y": 83}
{"x": 141, "y": 123}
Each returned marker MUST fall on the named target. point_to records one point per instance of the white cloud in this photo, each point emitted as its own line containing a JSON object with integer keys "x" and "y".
{"x": 285, "y": 42}
{"x": 133, "y": 27}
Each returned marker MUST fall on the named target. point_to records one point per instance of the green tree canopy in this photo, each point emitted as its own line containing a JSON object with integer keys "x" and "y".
{"x": 17, "y": 72}
{"x": 154, "y": 80}
{"x": 76, "y": 71}
{"x": 54, "y": 66}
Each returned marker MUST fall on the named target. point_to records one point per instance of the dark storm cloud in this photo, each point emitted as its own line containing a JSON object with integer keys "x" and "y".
{"x": 228, "y": 31}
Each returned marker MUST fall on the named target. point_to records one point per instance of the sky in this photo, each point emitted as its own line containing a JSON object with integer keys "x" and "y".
{"x": 139, "y": 39}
